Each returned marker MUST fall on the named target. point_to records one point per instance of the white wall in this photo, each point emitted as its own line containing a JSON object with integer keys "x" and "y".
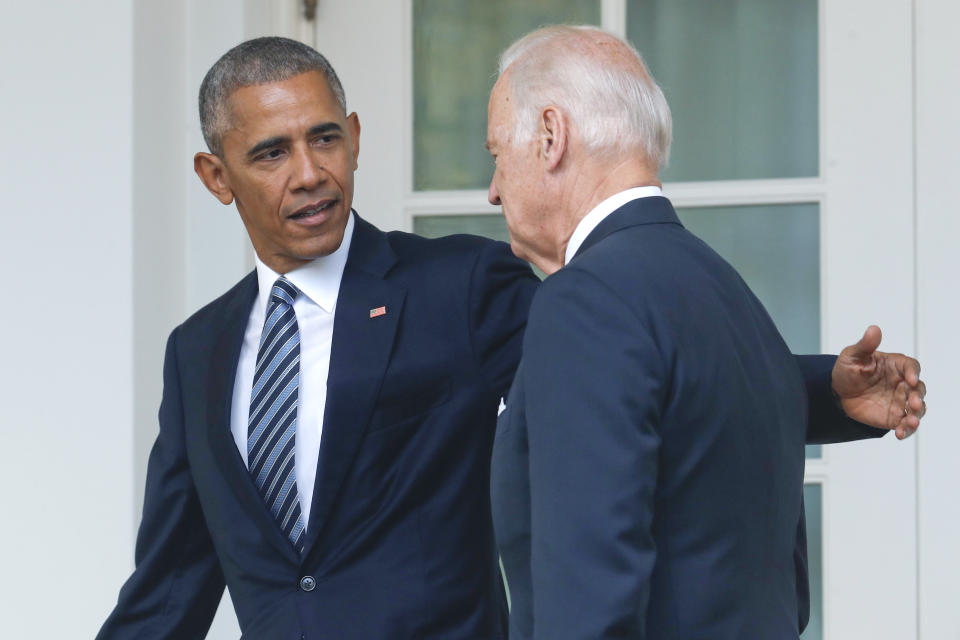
{"x": 66, "y": 384}
{"x": 109, "y": 242}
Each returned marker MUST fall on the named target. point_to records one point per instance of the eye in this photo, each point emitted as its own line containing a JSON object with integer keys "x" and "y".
{"x": 270, "y": 154}
{"x": 326, "y": 139}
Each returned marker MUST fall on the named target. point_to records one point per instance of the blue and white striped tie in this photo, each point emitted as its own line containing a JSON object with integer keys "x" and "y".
{"x": 272, "y": 428}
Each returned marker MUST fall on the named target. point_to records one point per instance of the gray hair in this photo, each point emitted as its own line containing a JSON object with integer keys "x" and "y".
{"x": 609, "y": 94}
{"x": 255, "y": 62}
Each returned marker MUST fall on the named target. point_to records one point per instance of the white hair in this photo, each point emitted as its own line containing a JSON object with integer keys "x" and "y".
{"x": 612, "y": 100}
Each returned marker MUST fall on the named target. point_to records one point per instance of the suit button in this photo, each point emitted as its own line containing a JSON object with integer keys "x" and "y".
{"x": 307, "y": 583}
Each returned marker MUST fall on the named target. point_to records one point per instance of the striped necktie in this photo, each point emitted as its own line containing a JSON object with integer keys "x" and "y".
{"x": 271, "y": 430}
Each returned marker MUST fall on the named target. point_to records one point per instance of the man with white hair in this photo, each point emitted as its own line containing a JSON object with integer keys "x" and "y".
{"x": 648, "y": 468}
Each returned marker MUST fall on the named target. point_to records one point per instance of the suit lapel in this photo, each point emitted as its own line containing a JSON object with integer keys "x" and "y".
{"x": 365, "y": 323}
{"x": 225, "y": 357}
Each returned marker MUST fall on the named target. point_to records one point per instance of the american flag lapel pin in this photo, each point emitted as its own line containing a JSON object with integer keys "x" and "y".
{"x": 379, "y": 311}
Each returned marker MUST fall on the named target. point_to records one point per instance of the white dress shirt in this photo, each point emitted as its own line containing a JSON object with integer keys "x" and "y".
{"x": 319, "y": 285}
{"x": 601, "y": 211}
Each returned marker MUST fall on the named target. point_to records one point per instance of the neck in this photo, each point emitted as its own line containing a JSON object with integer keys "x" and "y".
{"x": 593, "y": 183}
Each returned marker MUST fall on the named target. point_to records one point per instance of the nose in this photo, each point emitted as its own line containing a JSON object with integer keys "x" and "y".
{"x": 493, "y": 195}
{"x": 308, "y": 170}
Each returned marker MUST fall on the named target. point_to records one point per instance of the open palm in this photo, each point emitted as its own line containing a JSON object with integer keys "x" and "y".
{"x": 880, "y": 389}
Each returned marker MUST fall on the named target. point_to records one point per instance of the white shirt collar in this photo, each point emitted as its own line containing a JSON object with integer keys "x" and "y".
{"x": 319, "y": 280}
{"x": 601, "y": 211}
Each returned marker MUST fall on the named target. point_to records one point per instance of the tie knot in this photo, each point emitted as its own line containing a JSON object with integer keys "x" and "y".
{"x": 284, "y": 291}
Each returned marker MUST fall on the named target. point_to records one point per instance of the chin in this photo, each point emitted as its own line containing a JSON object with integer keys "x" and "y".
{"x": 324, "y": 248}
{"x": 519, "y": 249}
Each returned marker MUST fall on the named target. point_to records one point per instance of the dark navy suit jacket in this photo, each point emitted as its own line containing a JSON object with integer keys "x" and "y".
{"x": 400, "y": 541}
{"x": 648, "y": 469}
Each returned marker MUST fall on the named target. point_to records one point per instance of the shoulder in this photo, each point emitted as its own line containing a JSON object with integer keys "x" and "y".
{"x": 236, "y": 300}
{"x": 574, "y": 301}
{"x": 599, "y": 294}
{"x": 654, "y": 263}
{"x": 641, "y": 246}
{"x": 455, "y": 249}
{"x": 466, "y": 263}
{"x": 582, "y": 284}
{"x": 408, "y": 253}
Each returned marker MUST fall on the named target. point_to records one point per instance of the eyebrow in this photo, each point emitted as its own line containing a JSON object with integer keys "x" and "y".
{"x": 276, "y": 141}
{"x": 325, "y": 127}
{"x": 269, "y": 143}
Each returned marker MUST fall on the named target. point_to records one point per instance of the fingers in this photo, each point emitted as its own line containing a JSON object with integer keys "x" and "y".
{"x": 907, "y": 426}
{"x": 903, "y": 432}
{"x": 908, "y": 368}
{"x": 914, "y": 409}
{"x": 922, "y": 389}
{"x": 916, "y": 405}
{"x": 863, "y": 349}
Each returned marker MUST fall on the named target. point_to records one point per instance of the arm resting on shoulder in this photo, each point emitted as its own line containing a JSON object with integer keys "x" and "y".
{"x": 501, "y": 288}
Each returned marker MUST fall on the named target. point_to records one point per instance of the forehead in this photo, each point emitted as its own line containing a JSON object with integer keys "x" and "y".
{"x": 304, "y": 99}
{"x": 499, "y": 109}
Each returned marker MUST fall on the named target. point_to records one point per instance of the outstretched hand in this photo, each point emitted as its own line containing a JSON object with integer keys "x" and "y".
{"x": 880, "y": 389}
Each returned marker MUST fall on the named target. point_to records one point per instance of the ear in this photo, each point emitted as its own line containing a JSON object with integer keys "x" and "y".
{"x": 553, "y": 136}
{"x": 212, "y": 174}
{"x": 353, "y": 123}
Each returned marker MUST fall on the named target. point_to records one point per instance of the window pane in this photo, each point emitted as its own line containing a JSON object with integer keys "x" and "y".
{"x": 741, "y": 80}
{"x": 813, "y": 503}
{"x": 776, "y": 250}
{"x": 456, "y": 45}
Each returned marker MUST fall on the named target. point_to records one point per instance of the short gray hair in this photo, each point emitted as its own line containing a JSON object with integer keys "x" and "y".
{"x": 255, "y": 62}
{"x": 609, "y": 94}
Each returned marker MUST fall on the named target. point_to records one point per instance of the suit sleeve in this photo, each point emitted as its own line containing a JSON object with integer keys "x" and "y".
{"x": 177, "y": 583}
{"x": 501, "y": 289}
{"x": 827, "y": 423}
{"x": 594, "y": 383}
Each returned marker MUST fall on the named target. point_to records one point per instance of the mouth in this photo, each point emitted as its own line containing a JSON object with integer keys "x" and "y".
{"x": 315, "y": 212}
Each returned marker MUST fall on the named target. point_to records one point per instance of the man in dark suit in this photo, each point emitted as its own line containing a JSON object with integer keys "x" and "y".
{"x": 326, "y": 425}
{"x": 648, "y": 467}
{"x": 399, "y": 350}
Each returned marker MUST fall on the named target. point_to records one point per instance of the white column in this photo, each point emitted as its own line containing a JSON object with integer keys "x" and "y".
{"x": 938, "y": 314}
{"x": 870, "y": 543}
{"x": 160, "y": 215}
{"x": 189, "y": 248}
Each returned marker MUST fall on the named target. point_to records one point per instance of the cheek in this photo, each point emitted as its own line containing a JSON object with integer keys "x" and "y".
{"x": 264, "y": 206}
{"x": 347, "y": 180}
{"x": 515, "y": 221}
{"x": 340, "y": 169}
